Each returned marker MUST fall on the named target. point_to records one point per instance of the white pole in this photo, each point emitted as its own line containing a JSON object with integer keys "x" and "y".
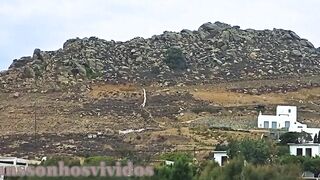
{"x": 144, "y": 98}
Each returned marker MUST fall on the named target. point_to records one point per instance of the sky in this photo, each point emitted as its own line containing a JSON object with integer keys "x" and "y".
{"x": 47, "y": 24}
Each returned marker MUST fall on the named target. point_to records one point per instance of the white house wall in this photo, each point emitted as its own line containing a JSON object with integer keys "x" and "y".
{"x": 315, "y": 150}
{"x": 288, "y": 111}
{"x": 218, "y": 157}
{"x": 280, "y": 120}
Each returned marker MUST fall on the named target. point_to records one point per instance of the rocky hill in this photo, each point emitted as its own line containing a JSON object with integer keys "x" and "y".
{"x": 80, "y": 99}
{"x": 215, "y": 52}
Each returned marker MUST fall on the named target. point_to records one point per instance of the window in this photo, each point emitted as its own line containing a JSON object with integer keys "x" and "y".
{"x": 308, "y": 152}
{"x": 266, "y": 124}
{"x": 289, "y": 110}
{"x": 274, "y": 125}
{"x": 299, "y": 126}
{"x": 21, "y": 164}
{"x": 6, "y": 162}
{"x": 287, "y": 124}
{"x": 299, "y": 151}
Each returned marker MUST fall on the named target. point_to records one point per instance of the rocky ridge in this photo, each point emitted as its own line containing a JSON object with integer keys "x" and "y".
{"x": 213, "y": 53}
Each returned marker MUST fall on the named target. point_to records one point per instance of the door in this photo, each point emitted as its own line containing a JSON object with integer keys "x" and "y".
{"x": 308, "y": 152}
{"x": 299, "y": 151}
{"x": 224, "y": 160}
{"x": 266, "y": 124}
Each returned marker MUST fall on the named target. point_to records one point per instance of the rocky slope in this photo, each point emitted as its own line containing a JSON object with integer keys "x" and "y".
{"x": 215, "y": 52}
{"x": 78, "y": 99}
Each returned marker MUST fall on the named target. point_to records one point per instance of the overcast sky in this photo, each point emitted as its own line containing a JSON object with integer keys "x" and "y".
{"x": 47, "y": 24}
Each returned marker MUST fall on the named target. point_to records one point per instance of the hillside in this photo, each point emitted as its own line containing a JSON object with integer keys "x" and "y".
{"x": 196, "y": 82}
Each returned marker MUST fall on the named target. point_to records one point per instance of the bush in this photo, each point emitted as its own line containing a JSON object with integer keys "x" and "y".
{"x": 238, "y": 169}
{"x": 68, "y": 161}
{"x": 174, "y": 156}
{"x": 312, "y": 165}
{"x": 283, "y": 150}
{"x": 95, "y": 161}
{"x": 175, "y": 59}
{"x": 209, "y": 109}
{"x": 181, "y": 169}
{"x": 253, "y": 151}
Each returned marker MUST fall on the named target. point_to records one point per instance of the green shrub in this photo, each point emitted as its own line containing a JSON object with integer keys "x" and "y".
{"x": 175, "y": 59}
{"x": 174, "y": 156}
{"x": 312, "y": 165}
{"x": 283, "y": 150}
{"x": 68, "y": 161}
{"x": 95, "y": 161}
{"x": 209, "y": 109}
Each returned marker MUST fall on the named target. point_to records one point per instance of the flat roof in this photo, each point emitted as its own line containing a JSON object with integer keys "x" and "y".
{"x": 303, "y": 144}
{"x": 219, "y": 151}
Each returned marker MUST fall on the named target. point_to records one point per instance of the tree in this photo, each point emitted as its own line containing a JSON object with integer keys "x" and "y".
{"x": 294, "y": 137}
{"x": 221, "y": 147}
{"x": 254, "y": 151}
{"x": 175, "y": 59}
{"x": 180, "y": 170}
{"x": 260, "y": 108}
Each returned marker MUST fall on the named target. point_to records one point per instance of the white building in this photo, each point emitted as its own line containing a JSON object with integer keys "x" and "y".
{"x": 6, "y": 162}
{"x": 220, "y": 157}
{"x": 286, "y": 117}
{"x": 305, "y": 149}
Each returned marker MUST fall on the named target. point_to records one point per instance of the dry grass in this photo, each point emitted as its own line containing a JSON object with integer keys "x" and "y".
{"x": 98, "y": 90}
{"x": 226, "y": 98}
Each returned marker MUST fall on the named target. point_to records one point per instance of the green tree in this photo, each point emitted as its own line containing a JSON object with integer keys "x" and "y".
{"x": 182, "y": 169}
{"x": 207, "y": 169}
{"x": 289, "y": 137}
{"x": 293, "y": 137}
{"x": 254, "y": 151}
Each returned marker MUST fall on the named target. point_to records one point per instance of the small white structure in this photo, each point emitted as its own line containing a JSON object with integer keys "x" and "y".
{"x": 305, "y": 149}
{"x": 286, "y": 117}
{"x": 11, "y": 162}
{"x": 220, "y": 157}
{"x": 169, "y": 163}
{"x": 15, "y": 162}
